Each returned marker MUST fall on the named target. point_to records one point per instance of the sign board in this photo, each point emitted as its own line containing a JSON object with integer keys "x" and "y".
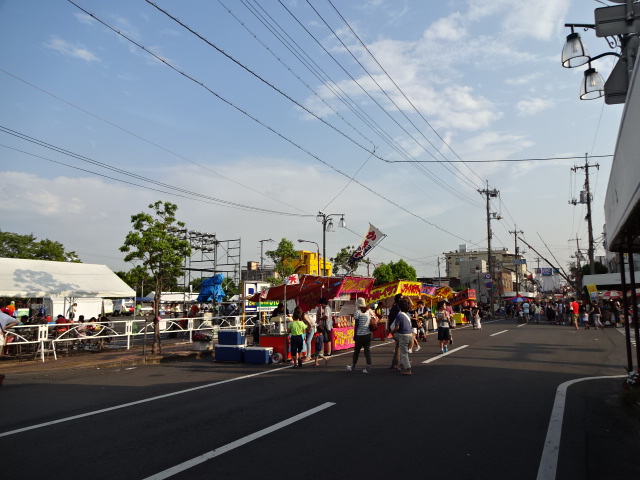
{"x": 612, "y": 21}
{"x": 519, "y": 261}
{"x": 250, "y": 289}
{"x": 487, "y": 276}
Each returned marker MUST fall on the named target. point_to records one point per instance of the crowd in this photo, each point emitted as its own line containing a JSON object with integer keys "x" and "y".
{"x": 572, "y": 311}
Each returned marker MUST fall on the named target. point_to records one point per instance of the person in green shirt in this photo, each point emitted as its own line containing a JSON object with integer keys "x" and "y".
{"x": 297, "y": 330}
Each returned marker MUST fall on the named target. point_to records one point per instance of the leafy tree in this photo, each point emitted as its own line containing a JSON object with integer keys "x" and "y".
{"x": 383, "y": 274}
{"x": 598, "y": 269}
{"x": 161, "y": 252}
{"x": 138, "y": 278}
{"x": 341, "y": 260}
{"x": 282, "y": 257}
{"x": 14, "y": 245}
{"x": 391, "y": 272}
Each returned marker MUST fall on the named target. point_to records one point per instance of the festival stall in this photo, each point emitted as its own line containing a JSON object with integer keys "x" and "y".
{"x": 306, "y": 291}
{"x": 384, "y": 295}
{"x": 466, "y": 299}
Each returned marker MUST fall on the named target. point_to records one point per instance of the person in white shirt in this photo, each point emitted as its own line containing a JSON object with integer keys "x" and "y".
{"x": 324, "y": 319}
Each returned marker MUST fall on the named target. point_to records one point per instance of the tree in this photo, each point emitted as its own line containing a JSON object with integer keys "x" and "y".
{"x": 14, "y": 245}
{"x": 391, "y": 272}
{"x": 341, "y": 261}
{"x": 161, "y": 252}
{"x": 138, "y": 278}
{"x": 282, "y": 257}
{"x": 598, "y": 269}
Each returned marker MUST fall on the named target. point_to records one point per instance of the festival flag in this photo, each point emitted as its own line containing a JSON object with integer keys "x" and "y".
{"x": 264, "y": 292}
{"x": 292, "y": 280}
{"x": 370, "y": 240}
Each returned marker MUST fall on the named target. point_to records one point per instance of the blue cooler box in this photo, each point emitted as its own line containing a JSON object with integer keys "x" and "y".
{"x": 229, "y": 353}
{"x": 259, "y": 355}
{"x": 231, "y": 336}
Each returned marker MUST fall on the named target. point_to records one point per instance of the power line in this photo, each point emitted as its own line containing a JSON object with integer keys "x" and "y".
{"x": 273, "y": 130}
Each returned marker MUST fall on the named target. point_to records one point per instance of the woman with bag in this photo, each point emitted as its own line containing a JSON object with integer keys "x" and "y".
{"x": 404, "y": 334}
{"x": 365, "y": 320}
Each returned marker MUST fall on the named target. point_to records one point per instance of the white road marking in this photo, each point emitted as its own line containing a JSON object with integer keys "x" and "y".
{"x": 238, "y": 443}
{"x": 137, "y": 402}
{"x": 522, "y": 325}
{"x": 549, "y": 460}
{"x": 433, "y": 359}
{"x": 498, "y": 333}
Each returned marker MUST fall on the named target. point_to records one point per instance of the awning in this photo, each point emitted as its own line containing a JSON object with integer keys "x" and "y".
{"x": 405, "y": 287}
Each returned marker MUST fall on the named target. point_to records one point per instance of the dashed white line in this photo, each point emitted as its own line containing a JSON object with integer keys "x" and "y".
{"x": 238, "y": 443}
{"x": 498, "y": 333}
{"x": 429, "y": 360}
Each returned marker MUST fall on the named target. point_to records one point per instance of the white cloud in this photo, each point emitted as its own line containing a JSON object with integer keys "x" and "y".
{"x": 68, "y": 49}
{"x": 533, "y": 106}
{"x": 84, "y": 18}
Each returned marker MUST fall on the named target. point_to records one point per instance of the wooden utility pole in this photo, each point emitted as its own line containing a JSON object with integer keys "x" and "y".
{"x": 585, "y": 198}
{"x": 490, "y": 194}
{"x": 515, "y": 237}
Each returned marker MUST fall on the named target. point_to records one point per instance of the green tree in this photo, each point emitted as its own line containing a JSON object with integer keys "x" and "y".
{"x": 139, "y": 279}
{"x": 282, "y": 258}
{"x": 14, "y": 245}
{"x": 391, "y": 272}
{"x": 341, "y": 260}
{"x": 598, "y": 269}
{"x": 383, "y": 274}
{"x": 161, "y": 252}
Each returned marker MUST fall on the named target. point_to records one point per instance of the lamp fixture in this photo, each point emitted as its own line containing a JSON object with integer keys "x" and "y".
{"x": 592, "y": 86}
{"x": 574, "y": 53}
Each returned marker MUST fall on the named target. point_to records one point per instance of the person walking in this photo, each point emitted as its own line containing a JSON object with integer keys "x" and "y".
{"x": 393, "y": 313}
{"x": 596, "y": 313}
{"x": 323, "y": 317}
{"x": 444, "y": 331}
{"x": 297, "y": 329}
{"x": 363, "y": 317}
{"x": 404, "y": 334}
{"x": 574, "y": 308}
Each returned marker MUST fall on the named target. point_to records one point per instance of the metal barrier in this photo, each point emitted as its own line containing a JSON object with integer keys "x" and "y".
{"x": 42, "y": 340}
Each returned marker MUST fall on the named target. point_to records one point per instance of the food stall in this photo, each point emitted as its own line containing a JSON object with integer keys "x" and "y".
{"x": 465, "y": 298}
{"x": 306, "y": 294}
{"x": 384, "y": 294}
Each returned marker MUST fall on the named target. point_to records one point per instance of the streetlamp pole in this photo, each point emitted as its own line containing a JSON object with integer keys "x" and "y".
{"x": 327, "y": 224}
{"x": 261, "y": 256}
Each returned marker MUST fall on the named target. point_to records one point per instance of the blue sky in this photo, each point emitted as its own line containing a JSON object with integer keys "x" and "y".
{"x": 251, "y": 136}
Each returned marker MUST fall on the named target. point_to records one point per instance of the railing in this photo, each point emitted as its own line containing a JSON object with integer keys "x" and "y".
{"x": 40, "y": 340}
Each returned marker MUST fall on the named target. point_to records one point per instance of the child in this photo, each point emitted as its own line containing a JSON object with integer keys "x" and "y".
{"x": 319, "y": 353}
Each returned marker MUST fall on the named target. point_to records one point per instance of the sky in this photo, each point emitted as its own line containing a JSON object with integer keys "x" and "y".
{"x": 253, "y": 116}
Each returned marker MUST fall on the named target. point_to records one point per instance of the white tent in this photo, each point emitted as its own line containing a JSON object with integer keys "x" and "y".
{"x": 40, "y": 278}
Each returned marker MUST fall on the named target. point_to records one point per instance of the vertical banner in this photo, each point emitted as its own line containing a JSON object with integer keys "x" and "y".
{"x": 370, "y": 240}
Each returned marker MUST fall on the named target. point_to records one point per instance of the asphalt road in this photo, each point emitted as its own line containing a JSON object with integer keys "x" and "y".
{"x": 481, "y": 412}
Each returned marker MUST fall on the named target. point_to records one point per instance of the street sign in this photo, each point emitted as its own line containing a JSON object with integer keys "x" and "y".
{"x": 613, "y": 20}
{"x": 519, "y": 261}
{"x": 487, "y": 275}
{"x": 488, "y": 284}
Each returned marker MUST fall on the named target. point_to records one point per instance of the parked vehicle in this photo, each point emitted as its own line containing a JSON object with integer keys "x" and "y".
{"x": 123, "y": 306}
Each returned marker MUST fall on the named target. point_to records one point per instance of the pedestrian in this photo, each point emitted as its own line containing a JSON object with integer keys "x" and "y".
{"x": 71, "y": 312}
{"x": 297, "y": 330}
{"x": 583, "y": 317}
{"x": 475, "y": 315}
{"x": 311, "y": 331}
{"x": 444, "y": 331}
{"x": 362, "y": 317}
{"x": 596, "y": 313}
{"x": 393, "y": 312}
{"x": 319, "y": 353}
{"x": 573, "y": 309}
{"x": 323, "y": 317}
{"x": 404, "y": 334}
{"x": 413, "y": 315}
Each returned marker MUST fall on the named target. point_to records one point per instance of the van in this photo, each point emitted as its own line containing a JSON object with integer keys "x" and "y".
{"x": 122, "y": 306}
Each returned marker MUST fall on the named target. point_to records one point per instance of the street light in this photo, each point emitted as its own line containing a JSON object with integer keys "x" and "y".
{"x": 261, "y": 256}
{"x": 327, "y": 226}
{"x": 317, "y": 246}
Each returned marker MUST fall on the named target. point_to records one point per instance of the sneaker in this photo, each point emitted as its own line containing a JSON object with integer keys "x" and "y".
{"x": 366, "y": 370}
{"x": 446, "y": 349}
{"x": 441, "y": 351}
{"x": 410, "y": 350}
{"x": 350, "y": 368}
{"x": 418, "y": 347}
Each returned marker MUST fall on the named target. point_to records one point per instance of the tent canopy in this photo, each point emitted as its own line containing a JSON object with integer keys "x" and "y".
{"x": 40, "y": 278}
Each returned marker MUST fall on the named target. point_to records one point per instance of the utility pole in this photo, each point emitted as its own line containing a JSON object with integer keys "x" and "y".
{"x": 490, "y": 194}
{"x": 585, "y": 198}
{"x": 439, "y": 277}
{"x": 515, "y": 238}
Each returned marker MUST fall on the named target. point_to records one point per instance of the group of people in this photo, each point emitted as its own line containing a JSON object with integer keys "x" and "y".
{"x": 576, "y": 313}
{"x": 305, "y": 330}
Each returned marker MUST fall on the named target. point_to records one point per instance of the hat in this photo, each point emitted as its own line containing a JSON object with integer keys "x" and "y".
{"x": 361, "y": 302}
